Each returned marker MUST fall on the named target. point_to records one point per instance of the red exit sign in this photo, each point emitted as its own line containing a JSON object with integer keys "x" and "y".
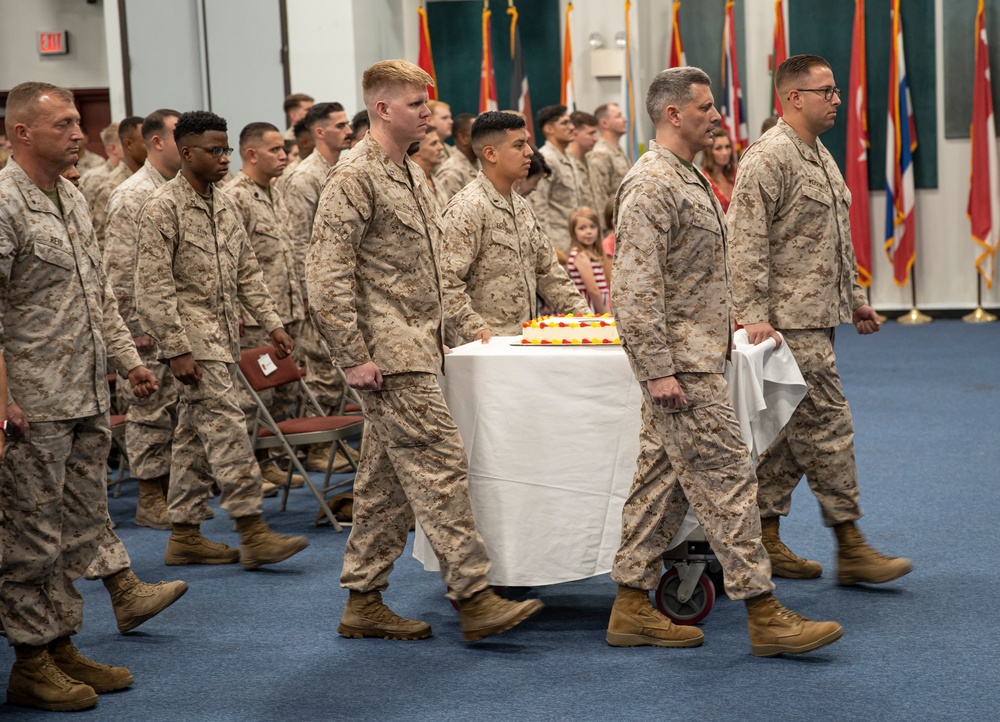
{"x": 56, "y": 43}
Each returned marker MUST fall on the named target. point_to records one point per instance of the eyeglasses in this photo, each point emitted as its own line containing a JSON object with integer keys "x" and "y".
{"x": 216, "y": 150}
{"x": 827, "y": 92}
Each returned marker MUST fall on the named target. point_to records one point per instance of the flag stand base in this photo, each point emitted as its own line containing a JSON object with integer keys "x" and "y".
{"x": 914, "y": 318}
{"x": 980, "y": 315}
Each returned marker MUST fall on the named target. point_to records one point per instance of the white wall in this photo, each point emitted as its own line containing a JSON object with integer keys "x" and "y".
{"x": 86, "y": 64}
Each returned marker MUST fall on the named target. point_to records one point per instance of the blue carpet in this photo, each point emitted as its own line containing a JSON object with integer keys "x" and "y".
{"x": 262, "y": 645}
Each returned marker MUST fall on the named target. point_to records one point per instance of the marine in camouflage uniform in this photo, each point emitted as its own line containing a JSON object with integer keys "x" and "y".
{"x": 608, "y": 164}
{"x": 672, "y": 301}
{"x": 454, "y": 174}
{"x": 557, "y": 196}
{"x": 374, "y": 280}
{"x": 495, "y": 261}
{"x": 794, "y": 272}
{"x": 196, "y": 267}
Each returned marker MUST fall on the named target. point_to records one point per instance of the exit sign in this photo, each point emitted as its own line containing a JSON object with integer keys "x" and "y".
{"x": 56, "y": 43}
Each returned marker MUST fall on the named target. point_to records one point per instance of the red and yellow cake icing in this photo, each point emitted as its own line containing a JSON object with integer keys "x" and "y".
{"x": 586, "y": 329}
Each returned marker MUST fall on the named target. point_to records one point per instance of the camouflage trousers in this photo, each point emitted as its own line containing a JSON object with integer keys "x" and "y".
{"x": 150, "y": 422}
{"x": 693, "y": 457}
{"x": 413, "y": 465}
{"x": 323, "y": 378}
{"x": 818, "y": 441}
{"x": 112, "y": 557}
{"x": 54, "y": 499}
{"x": 211, "y": 430}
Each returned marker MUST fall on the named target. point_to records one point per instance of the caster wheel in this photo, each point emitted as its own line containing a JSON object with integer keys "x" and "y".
{"x": 693, "y": 610}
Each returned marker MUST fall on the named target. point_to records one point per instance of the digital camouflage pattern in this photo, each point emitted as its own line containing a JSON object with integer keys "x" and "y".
{"x": 671, "y": 298}
{"x": 101, "y": 196}
{"x": 495, "y": 261}
{"x": 671, "y": 290}
{"x": 413, "y": 466}
{"x": 694, "y": 457}
{"x": 792, "y": 257}
{"x": 556, "y": 197}
{"x": 112, "y": 557}
{"x": 301, "y": 193}
{"x": 608, "y": 164}
{"x": 373, "y": 270}
{"x": 195, "y": 266}
{"x": 453, "y": 175}
{"x": 267, "y": 224}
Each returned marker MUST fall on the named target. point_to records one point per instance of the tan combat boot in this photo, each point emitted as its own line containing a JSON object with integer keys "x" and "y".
{"x": 775, "y": 630}
{"x": 484, "y": 614}
{"x": 36, "y": 681}
{"x": 273, "y": 475}
{"x": 134, "y": 601}
{"x": 319, "y": 456}
{"x": 637, "y": 623}
{"x": 784, "y": 563}
{"x": 259, "y": 545}
{"x": 102, "y": 677}
{"x": 858, "y": 562}
{"x": 367, "y": 616}
{"x": 151, "y": 511}
{"x": 187, "y": 546}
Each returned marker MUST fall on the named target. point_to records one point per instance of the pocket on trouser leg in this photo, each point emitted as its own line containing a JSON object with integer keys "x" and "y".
{"x": 709, "y": 438}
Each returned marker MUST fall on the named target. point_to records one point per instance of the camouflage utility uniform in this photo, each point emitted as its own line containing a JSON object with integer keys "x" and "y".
{"x": 195, "y": 266}
{"x": 794, "y": 267}
{"x": 557, "y": 196}
{"x": 453, "y": 175}
{"x": 495, "y": 261}
{"x": 301, "y": 196}
{"x": 60, "y": 326}
{"x": 608, "y": 164}
{"x": 672, "y": 301}
{"x": 375, "y": 286}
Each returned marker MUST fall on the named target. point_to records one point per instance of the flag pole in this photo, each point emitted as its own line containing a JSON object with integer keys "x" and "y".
{"x": 980, "y": 315}
{"x": 914, "y": 317}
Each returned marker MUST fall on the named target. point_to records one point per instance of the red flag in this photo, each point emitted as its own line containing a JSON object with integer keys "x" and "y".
{"x": 424, "y": 60}
{"x": 901, "y": 141}
{"x": 984, "y": 180}
{"x": 734, "y": 120}
{"x": 856, "y": 173}
{"x": 780, "y": 53}
{"x": 487, "y": 80}
{"x": 677, "y": 57}
{"x": 520, "y": 98}
{"x": 567, "y": 93}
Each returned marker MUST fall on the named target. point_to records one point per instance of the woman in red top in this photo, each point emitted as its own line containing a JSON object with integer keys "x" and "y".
{"x": 718, "y": 164}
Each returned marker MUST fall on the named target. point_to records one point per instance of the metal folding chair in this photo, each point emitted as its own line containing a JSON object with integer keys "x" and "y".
{"x": 261, "y": 369}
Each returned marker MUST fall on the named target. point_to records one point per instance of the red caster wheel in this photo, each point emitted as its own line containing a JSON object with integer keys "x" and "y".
{"x": 691, "y": 611}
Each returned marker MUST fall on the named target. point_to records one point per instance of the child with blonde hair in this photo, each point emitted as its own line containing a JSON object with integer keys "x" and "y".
{"x": 588, "y": 264}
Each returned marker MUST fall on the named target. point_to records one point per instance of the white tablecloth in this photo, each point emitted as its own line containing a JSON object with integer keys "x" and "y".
{"x": 552, "y": 435}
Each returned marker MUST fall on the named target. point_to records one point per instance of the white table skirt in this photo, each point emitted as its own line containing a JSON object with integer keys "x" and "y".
{"x": 552, "y": 436}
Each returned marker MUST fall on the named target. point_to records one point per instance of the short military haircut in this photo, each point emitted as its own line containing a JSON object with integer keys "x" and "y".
{"x": 300, "y": 128}
{"x": 491, "y": 127}
{"x": 294, "y": 100}
{"x": 580, "y": 118}
{"x": 538, "y": 165}
{"x": 463, "y": 124}
{"x": 603, "y": 111}
{"x": 254, "y": 133}
{"x": 198, "y": 122}
{"x": 319, "y": 113}
{"x": 360, "y": 119}
{"x": 23, "y": 98}
{"x": 794, "y": 71}
{"x": 128, "y": 126}
{"x": 673, "y": 87}
{"x": 110, "y": 134}
{"x": 549, "y": 114}
{"x": 156, "y": 122}
{"x": 390, "y": 74}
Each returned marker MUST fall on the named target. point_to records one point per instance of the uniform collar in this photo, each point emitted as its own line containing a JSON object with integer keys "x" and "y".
{"x": 194, "y": 199}
{"x": 35, "y": 197}
{"x": 493, "y": 195}
{"x": 686, "y": 174}
{"x": 809, "y": 154}
{"x": 154, "y": 175}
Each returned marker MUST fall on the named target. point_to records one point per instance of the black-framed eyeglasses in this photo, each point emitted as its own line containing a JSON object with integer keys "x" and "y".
{"x": 216, "y": 150}
{"x": 827, "y": 92}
